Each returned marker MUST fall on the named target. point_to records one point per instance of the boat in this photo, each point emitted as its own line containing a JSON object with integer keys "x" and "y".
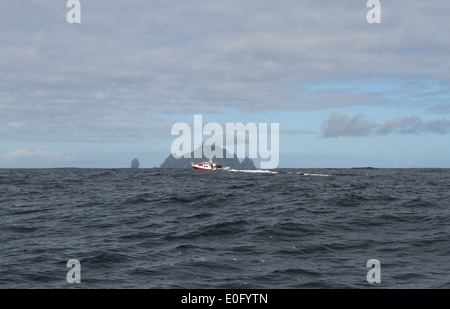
{"x": 209, "y": 166}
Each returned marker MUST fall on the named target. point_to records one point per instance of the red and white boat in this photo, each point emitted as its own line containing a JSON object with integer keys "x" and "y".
{"x": 209, "y": 166}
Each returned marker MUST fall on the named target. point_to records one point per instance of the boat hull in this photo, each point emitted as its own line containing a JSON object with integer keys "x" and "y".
{"x": 205, "y": 169}
{"x": 209, "y": 166}
{"x": 210, "y": 169}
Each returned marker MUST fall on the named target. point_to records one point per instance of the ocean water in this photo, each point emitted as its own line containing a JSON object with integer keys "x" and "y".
{"x": 186, "y": 229}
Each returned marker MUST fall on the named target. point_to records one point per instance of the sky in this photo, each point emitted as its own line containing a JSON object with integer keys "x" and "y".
{"x": 345, "y": 92}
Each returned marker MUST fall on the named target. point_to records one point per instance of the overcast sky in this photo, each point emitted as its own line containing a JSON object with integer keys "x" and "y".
{"x": 345, "y": 92}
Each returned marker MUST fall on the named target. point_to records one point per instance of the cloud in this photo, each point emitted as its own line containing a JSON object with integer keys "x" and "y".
{"x": 74, "y": 127}
{"x": 104, "y": 77}
{"x": 37, "y": 154}
{"x": 343, "y": 125}
{"x": 36, "y": 158}
{"x": 413, "y": 125}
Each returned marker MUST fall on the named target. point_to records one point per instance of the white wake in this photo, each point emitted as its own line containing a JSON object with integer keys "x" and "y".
{"x": 254, "y": 171}
{"x": 310, "y": 174}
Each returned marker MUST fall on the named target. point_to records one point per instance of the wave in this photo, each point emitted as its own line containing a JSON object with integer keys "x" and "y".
{"x": 181, "y": 229}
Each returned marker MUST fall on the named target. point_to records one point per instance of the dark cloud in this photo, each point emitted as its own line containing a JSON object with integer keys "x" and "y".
{"x": 343, "y": 125}
{"x": 413, "y": 125}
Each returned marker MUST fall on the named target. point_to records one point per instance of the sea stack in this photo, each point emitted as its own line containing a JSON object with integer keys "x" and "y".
{"x": 135, "y": 163}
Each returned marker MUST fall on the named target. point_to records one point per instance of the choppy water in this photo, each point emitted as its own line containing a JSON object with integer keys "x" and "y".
{"x": 163, "y": 228}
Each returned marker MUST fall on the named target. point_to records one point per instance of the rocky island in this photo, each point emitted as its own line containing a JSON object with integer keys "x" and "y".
{"x": 233, "y": 163}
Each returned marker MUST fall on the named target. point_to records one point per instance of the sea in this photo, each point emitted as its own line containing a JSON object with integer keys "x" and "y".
{"x": 355, "y": 228}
